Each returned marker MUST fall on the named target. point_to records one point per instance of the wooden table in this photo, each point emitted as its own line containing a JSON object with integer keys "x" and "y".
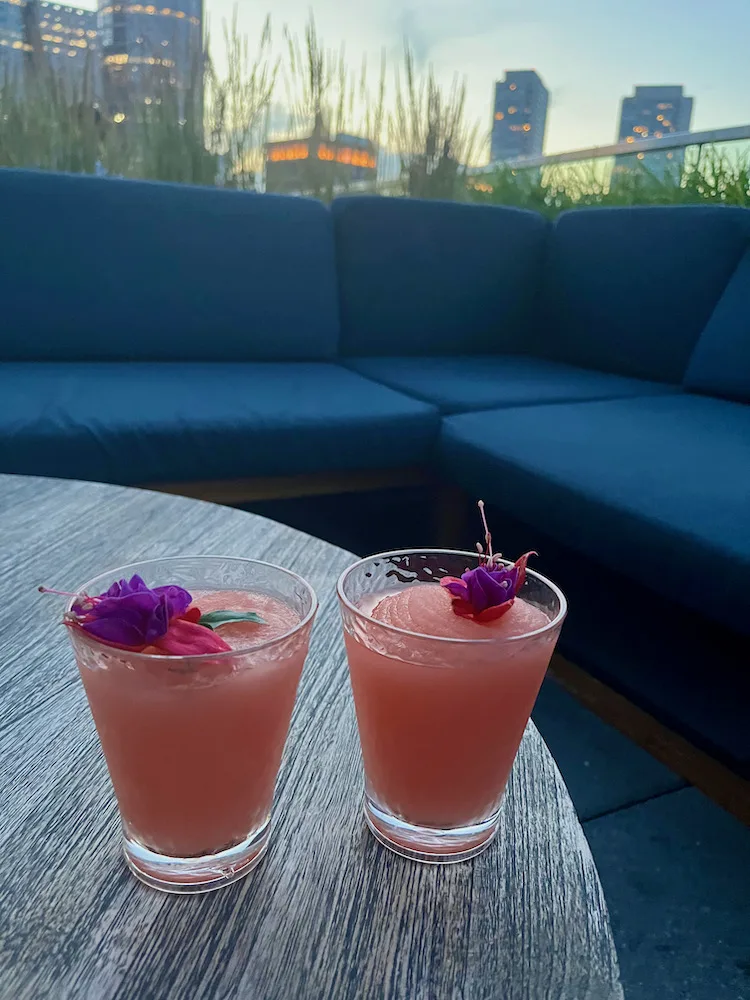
{"x": 329, "y": 914}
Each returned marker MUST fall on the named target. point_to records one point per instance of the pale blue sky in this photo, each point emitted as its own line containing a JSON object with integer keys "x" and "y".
{"x": 590, "y": 53}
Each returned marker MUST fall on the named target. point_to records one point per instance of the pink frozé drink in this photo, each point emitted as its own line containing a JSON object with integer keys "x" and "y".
{"x": 193, "y": 744}
{"x": 442, "y": 700}
{"x": 193, "y": 755}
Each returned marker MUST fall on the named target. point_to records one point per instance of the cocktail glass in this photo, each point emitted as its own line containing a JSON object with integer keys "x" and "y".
{"x": 193, "y": 744}
{"x": 440, "y": 719}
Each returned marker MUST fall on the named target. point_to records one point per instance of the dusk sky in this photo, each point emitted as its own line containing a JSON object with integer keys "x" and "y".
{"x": 589, "y": 53}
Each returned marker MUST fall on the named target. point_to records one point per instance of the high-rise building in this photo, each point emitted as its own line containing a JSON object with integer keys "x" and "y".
{"x": 653, "y": 113}
{"x": 67, "y": 36}
{"x": 41, "y": 33}
{"x": 13, "y": 42}
{"x": 148, "y": 51}
{"x": 520, "y": 116}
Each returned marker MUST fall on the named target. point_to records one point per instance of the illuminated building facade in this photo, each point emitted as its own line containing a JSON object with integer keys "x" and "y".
{"x": 520, "y": 116}
{"x": 302, "y": 166}
{"x": 68, "y": 37}
{"x": 39, "y": 32}
{"x": 652, "y": 113}
{"x": 148, "y": 49}
{"x": 13, "y": 41}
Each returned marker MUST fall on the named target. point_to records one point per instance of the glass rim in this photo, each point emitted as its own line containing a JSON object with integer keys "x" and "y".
{"x": 499, "y": 640}
{"x": 198, "y": 657}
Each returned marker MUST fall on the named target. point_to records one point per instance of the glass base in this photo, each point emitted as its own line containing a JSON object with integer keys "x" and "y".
{"x": 202, "y": 874}
{"x": 427, "y": 844}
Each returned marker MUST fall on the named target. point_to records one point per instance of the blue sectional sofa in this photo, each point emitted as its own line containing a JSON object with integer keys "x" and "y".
{"x": 590, "y": 379}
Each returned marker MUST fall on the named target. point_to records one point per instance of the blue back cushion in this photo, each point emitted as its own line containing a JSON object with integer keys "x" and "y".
{"x": 103, "y": 269}
{"x": 431, "y": 277}
{"x": 720, "y": 364}
{"x": 630, "y": 289}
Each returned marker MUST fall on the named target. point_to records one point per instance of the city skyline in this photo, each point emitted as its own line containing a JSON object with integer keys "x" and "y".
{"x": 705, "y": 52}
{"x": 589, "y": 58}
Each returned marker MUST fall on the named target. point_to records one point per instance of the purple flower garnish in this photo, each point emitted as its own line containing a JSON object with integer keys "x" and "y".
{"x": 487, "y": 592}
{"x": 130, "y": 613}
{"x": 484, "y": 587}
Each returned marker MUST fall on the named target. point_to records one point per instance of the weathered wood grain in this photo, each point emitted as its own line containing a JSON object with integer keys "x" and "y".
{"x": 329, "y": 914}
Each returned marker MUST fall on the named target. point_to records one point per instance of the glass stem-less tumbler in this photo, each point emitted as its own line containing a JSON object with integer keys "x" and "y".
{"x": 193, "y": 743}
{"x": 440, "y": 718}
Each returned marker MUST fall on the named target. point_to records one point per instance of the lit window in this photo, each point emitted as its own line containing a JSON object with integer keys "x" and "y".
{"x": 119, "y": 118}
{"x": 658, "y": 135}
{"x": 670, "y": 156}
{"x": 630, "y": 138}
{"x": 512, "y": 110}
{"x": 513, "y": 86}
{"x": 165, "y": 44}
{"x": 641, "y": 155}
{"x": 499, "y": 116}
{"x": 660, "y": 118}
{"x": 666, "y": 123}
{"x": 527, "y": 128}
{"x": 71, "y": 54}
{"x": 56, "y": 50}
{"x": 148, "y": 101}
{"x": 150, "y": 9}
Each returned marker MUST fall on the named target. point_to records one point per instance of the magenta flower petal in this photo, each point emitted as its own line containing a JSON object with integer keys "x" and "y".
{"x": 185, "y": 638}
{"x": 456, "y": 588}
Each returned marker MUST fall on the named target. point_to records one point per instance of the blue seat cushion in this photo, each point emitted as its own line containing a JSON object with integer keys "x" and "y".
{"x": 720, "y": 364}
{"x": 458, "y": 384}
{"x": 661, "y": 664}
{"x": 154, "y": 422}
{"x": 96, "y": 269}
{"x": 433, "y": 277}
{"x": 629, "y": 290}
{"x": 655, "y": 487}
